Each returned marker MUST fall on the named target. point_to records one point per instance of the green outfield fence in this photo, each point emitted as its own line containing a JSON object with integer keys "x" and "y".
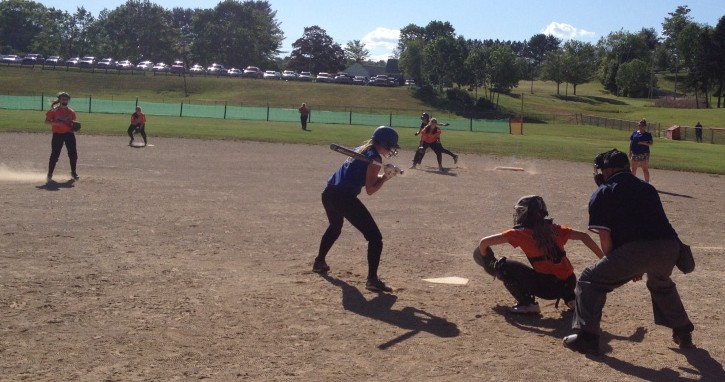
{"x": 223, "y": 110}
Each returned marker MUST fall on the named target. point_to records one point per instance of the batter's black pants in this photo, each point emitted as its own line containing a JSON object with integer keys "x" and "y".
{"x": 339, "y": 206}
{"x": 56, "y": 144}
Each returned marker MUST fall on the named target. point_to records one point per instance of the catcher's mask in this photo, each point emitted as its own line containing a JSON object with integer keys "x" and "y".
{"x": 610, "y": 159}
{"x": 529, "y": 209}
{"x": 388, "y": 138}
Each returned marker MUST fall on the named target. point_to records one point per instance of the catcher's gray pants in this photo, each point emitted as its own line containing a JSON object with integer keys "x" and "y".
{"x": 656, "y": 258}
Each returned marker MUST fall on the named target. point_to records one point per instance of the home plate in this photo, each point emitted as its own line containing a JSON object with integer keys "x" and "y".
{"x": 448, "y": 280}
{"x": 510, "y": 168}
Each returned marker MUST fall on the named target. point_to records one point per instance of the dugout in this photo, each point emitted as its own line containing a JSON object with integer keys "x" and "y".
{"x": 673, "y": 133}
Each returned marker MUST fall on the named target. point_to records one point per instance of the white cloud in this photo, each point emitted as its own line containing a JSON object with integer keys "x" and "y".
{"x": 566, "y": 32}
{"x": 381, "y": 42}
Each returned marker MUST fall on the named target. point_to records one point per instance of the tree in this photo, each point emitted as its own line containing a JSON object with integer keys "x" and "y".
{"x": 411, "y": 60}
{"x": 439, "y": 60}
{"x": 552, "y": 69}
{"x": 316, "y": 52}
{"x": 579, "y": 61}
{"x": 20, "y": 24}
{"x": 718, "y": 46}
{"x": 237, "y": 33}
{"x": 535, "y": 51}
{"x": 618, "y": 48}
{"x": 506, "y": 69}
{"x": 633, "y": 79}
{"x": 477, "y": 64}
{"x": 355, "y": 51}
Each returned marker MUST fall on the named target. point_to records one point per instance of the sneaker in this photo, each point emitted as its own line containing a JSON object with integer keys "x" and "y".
{"x": 49, "y": 178}
{"x": 413, "y": 166}
{"x": 130, "y": 143}
{"x": 75, "y": 175}
{"x": 583, "y": 343}
{"x": 683, "y": 339}
{"x": 377, "y": 285}
{"x": 455, "y": 159}
{"x": 532, "y": 308}
{"x": 320, "y": 266}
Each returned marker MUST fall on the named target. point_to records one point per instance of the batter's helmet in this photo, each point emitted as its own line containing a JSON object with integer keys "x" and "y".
{"x": 387, "y": 137}
{"x": 425, "y": 116}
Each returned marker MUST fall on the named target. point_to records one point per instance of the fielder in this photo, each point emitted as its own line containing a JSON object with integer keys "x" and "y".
{"x": 138, "y": 125}
{"x": 61, "y": 118}
{"x": 341, "y": 202}
{"x": 431, "y": 137}
{"x": 552, "y": 276}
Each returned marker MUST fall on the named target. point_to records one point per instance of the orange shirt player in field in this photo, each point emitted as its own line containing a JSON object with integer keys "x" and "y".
{"x": 60, "y": 117}
{"x": 138, "y": 125}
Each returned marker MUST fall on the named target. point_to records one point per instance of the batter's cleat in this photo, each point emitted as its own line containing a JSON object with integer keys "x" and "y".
{"x": 455, "y": 159}
{"x": 531, "y": 308}
{"x": 376, "y": 285}
{"x": 49, "y": 178}
{"x": 320, "y": 266}
{"x": 130, "y": 143}
{"x": 75, "y": 175}
{"x": 583, "y": 342}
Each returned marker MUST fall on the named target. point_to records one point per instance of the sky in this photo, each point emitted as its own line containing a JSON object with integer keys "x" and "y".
{"x": 377, "y": 23}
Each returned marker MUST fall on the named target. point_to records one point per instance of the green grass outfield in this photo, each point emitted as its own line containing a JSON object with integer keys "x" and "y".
{"x": 544, "y": 141}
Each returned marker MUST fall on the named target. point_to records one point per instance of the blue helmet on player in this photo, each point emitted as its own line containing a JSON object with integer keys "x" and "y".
{"x": 388, "y": 138}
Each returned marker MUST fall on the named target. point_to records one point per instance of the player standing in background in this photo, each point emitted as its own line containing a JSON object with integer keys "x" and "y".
{"x": 60, "y": 117}
{"x": 552, "y": 276}
{"x": 639, "y": 143}
{"x": 138, "y": 124}
{"x": 341, "y": 202}
{"x": 304, "y": 114}
{"x": 431, "y": 137}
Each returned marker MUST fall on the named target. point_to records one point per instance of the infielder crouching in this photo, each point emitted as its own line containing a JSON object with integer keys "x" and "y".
{"x": 138, "y": 124}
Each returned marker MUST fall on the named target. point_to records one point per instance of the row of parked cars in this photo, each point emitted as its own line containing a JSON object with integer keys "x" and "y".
{"x": 178, "y": 66}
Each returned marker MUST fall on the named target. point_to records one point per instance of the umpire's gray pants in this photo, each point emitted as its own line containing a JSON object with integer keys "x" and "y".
{"x": 656, "y": 258}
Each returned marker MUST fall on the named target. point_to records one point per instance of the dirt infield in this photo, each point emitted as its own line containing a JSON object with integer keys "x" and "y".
{"x": 190, "y": 260}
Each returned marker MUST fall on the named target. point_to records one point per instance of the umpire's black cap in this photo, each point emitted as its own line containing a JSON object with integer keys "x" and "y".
{"x": 611, "y": 159}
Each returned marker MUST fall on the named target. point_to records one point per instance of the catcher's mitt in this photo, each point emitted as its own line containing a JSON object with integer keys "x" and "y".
{"x": 76, "y": 126}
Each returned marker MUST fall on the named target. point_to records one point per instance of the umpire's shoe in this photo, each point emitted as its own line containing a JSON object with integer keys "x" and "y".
{"x": 583, "y": 342}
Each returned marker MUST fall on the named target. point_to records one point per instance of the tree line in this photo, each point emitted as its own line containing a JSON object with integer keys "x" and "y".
{"x": 241, "y": 33}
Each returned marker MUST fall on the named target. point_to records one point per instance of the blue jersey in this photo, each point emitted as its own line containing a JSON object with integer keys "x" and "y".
{"x": 350, "y": 177}
{"x": 637, "y": 137}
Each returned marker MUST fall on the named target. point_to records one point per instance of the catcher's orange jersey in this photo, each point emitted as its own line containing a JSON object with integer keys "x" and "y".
{"x": 523, "y": 237}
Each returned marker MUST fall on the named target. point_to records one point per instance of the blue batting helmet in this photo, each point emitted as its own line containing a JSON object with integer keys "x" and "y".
{"x": 386, "y": 136}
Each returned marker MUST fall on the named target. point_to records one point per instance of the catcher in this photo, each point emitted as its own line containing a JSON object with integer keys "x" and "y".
{"x": 552, "y": 276}
{"x": 61, "y": 118}
{"x": 138, "y": 125}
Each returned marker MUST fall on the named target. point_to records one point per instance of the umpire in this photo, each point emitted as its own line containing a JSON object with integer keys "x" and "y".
{"x": 636, "y": 238}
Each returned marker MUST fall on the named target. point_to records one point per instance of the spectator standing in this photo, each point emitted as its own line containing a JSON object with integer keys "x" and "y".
{"x": 304, "y": 115}
{"x": 698, "y": 132}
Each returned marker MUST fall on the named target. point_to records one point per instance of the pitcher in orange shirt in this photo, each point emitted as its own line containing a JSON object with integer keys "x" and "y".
{"x": 60, "y": 117}
{"x": 138, "y": 125}
{"x": 552, "y": 276}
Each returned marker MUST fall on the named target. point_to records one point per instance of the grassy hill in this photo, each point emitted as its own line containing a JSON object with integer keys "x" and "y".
{"x": 540, "y": 140}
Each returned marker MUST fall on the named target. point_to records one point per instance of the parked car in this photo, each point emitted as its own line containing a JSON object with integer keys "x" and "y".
{"x": 124, "y": 65}
{"x": 53, "y": 61}
{"x": 234, "y": 72}
{"x": 73, "y": 61}
{"x": 12, "y": 59}
{"x": 410, "y": 82}
{"x": 178, "y": 67}
{"x": 32, "y": 59}
{"x": 289, "y": 75}
{"x": 360, "y": 80}
{"x": 217, "y": 69}
{"x": 160, "y": 67}
{"x": 87, "y": 62}
{"x": 381, "y": 80}
{"x": 197, "y": 69}
{"x": 252, "y": 72}
{"x": 323, "y": 77}
{"x": 272, "y": 75}
{"x": 106, "y": 63}
{"x": 145, "y": 65}
{"x": 342, "y": 78}
{"x": 305, "y": 76}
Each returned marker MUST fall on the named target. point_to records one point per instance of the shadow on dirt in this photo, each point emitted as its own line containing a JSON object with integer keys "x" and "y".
{"x": 380, "y": 308}
{"x": 55, "y": 186}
